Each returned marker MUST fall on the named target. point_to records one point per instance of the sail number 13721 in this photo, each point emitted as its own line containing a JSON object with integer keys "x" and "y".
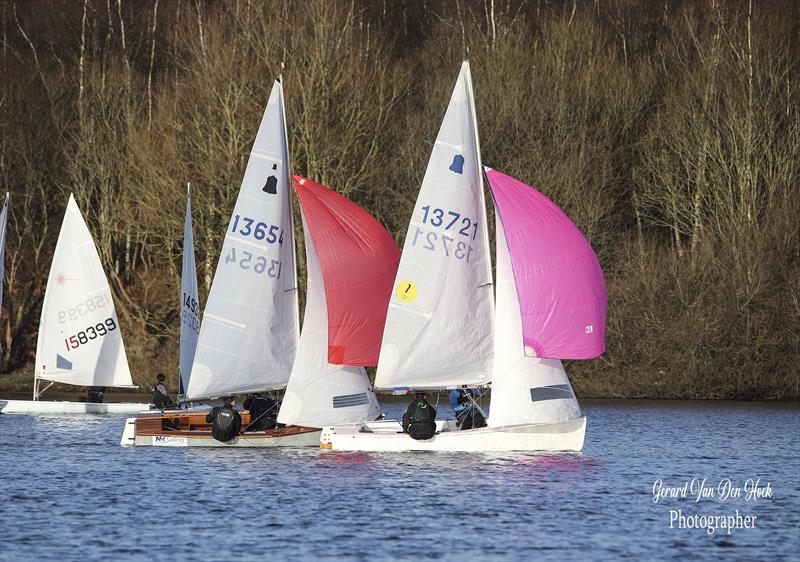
{"x": 450, "y": 220}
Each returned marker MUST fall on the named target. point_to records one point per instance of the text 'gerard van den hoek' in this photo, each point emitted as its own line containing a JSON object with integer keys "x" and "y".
{"x": 701, "y": 489}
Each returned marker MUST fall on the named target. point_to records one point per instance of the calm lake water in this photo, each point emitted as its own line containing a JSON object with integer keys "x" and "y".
{"x": 69, "y": 492}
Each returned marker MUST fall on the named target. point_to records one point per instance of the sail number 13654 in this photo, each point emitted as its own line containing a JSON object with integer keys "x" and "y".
{"x": 270, "y": 233}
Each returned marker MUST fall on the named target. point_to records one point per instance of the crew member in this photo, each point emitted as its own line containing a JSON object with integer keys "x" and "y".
{"x": 263, "y": 412}
{"x": 161, "y": 398}
{"x": 227, "y": 421}
{"x": 468, "y": 416}
{"x": 419, "y": 419}
{"x": 96, "y": 394}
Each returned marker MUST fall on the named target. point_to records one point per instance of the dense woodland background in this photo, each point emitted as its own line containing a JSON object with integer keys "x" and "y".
{"x": 669, "y": 131}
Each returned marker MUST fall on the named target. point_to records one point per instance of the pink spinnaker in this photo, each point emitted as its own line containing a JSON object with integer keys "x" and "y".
{"x": 560, "y": 286}
{"x": 359, "y": 260}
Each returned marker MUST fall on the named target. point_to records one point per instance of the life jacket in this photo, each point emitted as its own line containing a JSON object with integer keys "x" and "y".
{"x": 422, "y": 424}
{"x": 161, "y": 399}
{"x": 226, "y": 425}
{"x": 263, "y": 413}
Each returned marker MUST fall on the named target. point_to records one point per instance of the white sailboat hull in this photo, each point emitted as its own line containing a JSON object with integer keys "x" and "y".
{"x": 65, "y": 407}
{"x": 387, "y": 436}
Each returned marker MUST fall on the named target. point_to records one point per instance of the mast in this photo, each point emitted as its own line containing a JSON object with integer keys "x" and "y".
{"x": 482, "y": 190}
{"x": 292, "y": 249}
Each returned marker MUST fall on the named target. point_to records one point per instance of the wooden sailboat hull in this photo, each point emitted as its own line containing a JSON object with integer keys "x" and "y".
{"x": 61, "y": 407}
{"x": 180, "y": 428}
{"x": 387, "y": 436}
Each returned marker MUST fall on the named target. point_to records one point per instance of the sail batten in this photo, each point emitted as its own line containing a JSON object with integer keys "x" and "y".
{"x": 251, "y": 311}
{"x": 79, "y": 339}
{"x": 440, "y": 322}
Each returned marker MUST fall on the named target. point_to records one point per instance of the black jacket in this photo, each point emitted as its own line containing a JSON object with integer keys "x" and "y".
{"x": 263, "y": 412}
{"x": 227, "y": 423}
{"x": 419, "y": 420}
{"x": 161, "y": 399}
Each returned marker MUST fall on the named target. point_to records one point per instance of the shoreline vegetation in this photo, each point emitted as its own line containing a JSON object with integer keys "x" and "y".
{"x": 668, "y": 131}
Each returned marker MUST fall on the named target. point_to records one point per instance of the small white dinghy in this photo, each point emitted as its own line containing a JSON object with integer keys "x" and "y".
{"x": 443, "y": 331}
{"x": 79, "y": 342}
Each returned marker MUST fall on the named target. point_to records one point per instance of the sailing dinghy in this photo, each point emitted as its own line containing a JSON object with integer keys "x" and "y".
{"x": 80, "y": 342}
{"x": 249, "y": 337}
{"x": 443, "y": 331}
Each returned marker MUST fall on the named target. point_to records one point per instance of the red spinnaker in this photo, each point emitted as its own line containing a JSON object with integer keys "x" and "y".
{"x": 359, "y": 260}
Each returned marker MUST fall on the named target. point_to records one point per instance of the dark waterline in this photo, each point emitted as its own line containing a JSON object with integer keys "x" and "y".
{"x": 69, "y": 492}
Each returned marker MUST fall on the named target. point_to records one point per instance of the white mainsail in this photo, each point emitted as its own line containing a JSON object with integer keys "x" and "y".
{"x": 320, "y": 393}
{"x": 3, "y": 221}
{"x": 248, "y": 338}
{"x": 525, "y": 389}
{"x": 79, "y": 335}
{"x": 439, "y": 326}
{"x": 190, "y": 301}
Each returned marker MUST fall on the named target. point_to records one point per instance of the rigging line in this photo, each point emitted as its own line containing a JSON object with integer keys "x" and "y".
{"x": 474, "y": 403}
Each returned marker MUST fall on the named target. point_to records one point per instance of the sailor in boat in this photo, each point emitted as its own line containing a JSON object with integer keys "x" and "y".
{"x": 161, "y": 398}
{"x": 468, "y": 416}
{"x": 227, "y": 421}
{"x": 263, "y": 412}
{"x": 95, "y": 394}
{"x": 419, "y": 418}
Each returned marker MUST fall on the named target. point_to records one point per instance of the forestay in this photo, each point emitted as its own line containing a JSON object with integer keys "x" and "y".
{"x": 559, "y": 283}
{"x": 79, "y": 336}
{"x": 344, "y": 249}
{"x": 440, "y": 320}
{"x": 190, "y": 301}
{"x": 249, "y": 333}
{"x": 525, "y": 390}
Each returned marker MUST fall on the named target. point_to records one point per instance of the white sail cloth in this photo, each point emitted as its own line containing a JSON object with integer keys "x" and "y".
{"x": 525, "y": 390}
{"x": 320, "y": 393}
{"x": 248, "y": 338}
{"x": 190, "y": 301}
{"x": 439, "y": 326}
{"x": 79, "y": 334}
